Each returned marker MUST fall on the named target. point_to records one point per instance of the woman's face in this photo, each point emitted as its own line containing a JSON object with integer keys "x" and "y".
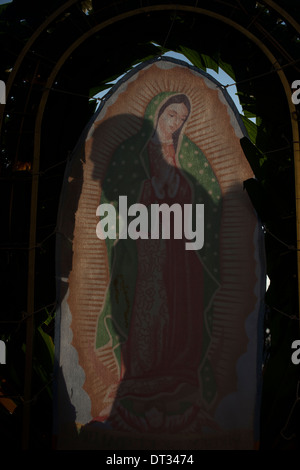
{"x": 171, "y": 119}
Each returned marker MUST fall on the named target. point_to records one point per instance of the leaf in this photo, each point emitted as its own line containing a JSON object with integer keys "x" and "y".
{"x": 227, "y": 68}
{"x": 210, "y": 63}
{"x": 193, "y": 56}
{"x": 48, "y": 343}
{"x": 251, "y": 128}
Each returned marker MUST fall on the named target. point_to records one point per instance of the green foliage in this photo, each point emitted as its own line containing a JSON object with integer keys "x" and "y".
{"x": 201, "y": 61}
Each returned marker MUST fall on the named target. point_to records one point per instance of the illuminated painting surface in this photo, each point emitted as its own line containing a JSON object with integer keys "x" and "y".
{"x": 155, "y": 341}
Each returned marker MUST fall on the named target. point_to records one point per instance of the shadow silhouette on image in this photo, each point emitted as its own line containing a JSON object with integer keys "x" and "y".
{"x": 157, "y": 310}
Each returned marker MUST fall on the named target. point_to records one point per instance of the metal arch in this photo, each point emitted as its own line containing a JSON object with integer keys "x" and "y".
{"x": 30, "y": 42}
{"x": 70, "y": 3}
{"x": 33, "y": 38}
{"x": 37, "y": 141}
{"x": 201, "y": 11}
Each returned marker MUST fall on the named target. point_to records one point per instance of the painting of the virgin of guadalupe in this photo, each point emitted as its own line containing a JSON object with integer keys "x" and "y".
{"x": 164, "y": 340}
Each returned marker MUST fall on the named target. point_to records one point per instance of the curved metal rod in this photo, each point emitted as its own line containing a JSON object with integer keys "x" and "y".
{"x": 33, "y": 38}
{"x": 37, "y": 142}
{"x": 27, "y": 47}
{"x": 201, "y": 11}
{"x": 284, "y": 14}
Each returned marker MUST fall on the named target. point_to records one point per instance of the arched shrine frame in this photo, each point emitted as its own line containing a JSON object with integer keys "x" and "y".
{"x": 274, "y": 61}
